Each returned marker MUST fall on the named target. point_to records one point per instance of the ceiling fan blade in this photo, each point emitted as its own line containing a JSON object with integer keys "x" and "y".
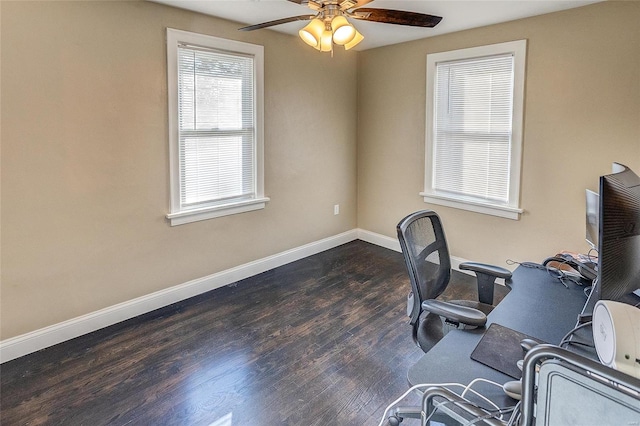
{"x": 352, "y": 4}
{"x": 277, "y": 22}
{"x": 343, "y": 4}
{"x": 397, "y": 17}
{"x": 312, "y": 4}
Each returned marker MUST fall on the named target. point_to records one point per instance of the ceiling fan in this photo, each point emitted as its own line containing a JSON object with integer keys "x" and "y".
{"x": 329, "y": 24}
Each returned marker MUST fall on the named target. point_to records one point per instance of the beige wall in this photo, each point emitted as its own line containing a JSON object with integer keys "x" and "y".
{"x": 85, "y": 158}
{"x": 582, "y": 111}
{"x": 85, "y": 153}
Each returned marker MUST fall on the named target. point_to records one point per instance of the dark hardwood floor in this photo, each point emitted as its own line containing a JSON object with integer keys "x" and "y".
{"x": 320, "y": 341}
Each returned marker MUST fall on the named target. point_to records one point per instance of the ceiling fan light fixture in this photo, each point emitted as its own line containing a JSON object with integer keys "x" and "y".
{"x": 330, "y": 23}
{"x": 312, "y": 33}
{"x": 343, "y": 31}
{"x": 356, "y": 39}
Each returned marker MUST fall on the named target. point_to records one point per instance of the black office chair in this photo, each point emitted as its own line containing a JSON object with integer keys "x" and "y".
{"x": 425, "y": 251}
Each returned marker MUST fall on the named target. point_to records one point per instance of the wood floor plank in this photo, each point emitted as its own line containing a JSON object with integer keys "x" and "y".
{"x": 323, "y": 340}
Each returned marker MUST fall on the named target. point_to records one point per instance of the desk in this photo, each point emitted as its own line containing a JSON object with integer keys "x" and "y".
{"x": 537, "y": 305}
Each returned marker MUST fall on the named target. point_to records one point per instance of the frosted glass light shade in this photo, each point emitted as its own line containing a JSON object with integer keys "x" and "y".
{"x": 312, "y": 33}
{"x": 343, "y": 31}
{"x": 357, "y": 39}
{"x": 326, "y": 41}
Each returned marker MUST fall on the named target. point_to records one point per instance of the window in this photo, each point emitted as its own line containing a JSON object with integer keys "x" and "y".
{"x": 474, "y": 128}
{"x": 215, "y": 126}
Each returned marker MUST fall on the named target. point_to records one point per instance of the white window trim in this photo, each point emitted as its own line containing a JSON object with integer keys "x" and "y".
{"x": 512, "y": 210}
{"x": 178, "y": 216}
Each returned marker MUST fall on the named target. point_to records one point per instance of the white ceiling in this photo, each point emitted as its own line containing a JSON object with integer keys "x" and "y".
{"x": 457, "y": 15}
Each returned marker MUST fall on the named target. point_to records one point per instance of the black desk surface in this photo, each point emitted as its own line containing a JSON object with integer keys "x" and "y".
{"x": 537, "y": 305}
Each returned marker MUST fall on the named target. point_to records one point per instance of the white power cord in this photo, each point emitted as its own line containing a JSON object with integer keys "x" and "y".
{"x": 479, "y": 379}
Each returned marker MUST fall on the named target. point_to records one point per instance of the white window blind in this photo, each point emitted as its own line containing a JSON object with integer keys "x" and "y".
{"x": 472, "y": 134}
{"x": 216, "y": 127}
{"x": 216, "y": 131}
{"x": 475, "y": 101}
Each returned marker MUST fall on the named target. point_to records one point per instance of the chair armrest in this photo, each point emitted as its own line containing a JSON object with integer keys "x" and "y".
{"x": 483, "y": 268}
{"x": 455, "y": 313}
{"x": 486, "y": 275}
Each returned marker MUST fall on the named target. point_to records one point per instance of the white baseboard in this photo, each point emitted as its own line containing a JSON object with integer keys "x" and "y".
{"x": 27, "y": 343}
{"x": 379, "y": 240}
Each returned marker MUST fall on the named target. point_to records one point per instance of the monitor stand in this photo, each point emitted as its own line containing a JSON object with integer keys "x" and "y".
{"x": 587, "y": 311}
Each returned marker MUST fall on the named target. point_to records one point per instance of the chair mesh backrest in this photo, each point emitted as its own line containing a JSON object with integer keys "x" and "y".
{"x": 424, "y": 247}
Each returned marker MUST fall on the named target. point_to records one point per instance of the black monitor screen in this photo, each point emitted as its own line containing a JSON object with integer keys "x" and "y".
{"x": 619, "y": 234}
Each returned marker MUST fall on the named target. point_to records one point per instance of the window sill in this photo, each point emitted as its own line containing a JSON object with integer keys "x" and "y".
{"x": 188, "y": 216}
{"x": 473, "y": 206}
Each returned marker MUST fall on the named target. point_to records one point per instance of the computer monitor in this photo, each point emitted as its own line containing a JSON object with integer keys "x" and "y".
{"x": 593, "y": 203}
{"x": 618, "y": 237}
